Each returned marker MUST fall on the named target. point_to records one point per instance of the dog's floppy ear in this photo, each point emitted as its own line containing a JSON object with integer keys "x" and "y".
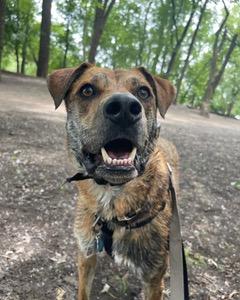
{"x": 61, "y": 80}
{"x": 164, "y": 91}
{"x": 166, "y": 94}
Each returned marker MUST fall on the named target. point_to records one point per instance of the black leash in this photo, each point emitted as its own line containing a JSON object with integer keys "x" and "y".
{"x": 185, "y": 275}
{"x": 178, "y": 267}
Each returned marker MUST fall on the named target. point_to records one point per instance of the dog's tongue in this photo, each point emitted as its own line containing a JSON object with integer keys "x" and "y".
{"x": 118, "y": 154}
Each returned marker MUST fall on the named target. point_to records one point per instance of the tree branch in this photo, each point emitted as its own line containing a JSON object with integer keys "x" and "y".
{"x": 226, "y": 59}
{"x": 110, "y": 6}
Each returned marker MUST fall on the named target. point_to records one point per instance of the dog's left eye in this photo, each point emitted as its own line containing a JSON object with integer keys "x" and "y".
{"x": 143, "y": 92}
{"x": 87, "y": 90}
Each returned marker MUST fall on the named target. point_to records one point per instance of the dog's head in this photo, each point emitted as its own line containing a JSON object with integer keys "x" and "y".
{"x": 111, "y": 117}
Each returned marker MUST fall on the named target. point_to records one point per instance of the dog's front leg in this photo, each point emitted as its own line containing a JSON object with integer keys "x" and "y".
{"x": 154, "y": 286}
{"x": 86, "y": 271}
{"x": 154, "y": 290}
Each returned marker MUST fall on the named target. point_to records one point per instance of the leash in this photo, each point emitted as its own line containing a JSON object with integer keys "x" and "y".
{"x": 178, "y": 267}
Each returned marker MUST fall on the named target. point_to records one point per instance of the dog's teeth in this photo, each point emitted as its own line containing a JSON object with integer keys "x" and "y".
{"x": 105, "y": 156}
{"x": 133, "y": 154}
{"x": 118, "y": 162}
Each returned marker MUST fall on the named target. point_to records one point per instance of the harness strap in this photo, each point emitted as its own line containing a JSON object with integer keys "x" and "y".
{"x": 139, "y": 219}
{"x": 178, "y": 267}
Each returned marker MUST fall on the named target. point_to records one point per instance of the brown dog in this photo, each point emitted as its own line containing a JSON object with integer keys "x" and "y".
{"x": 112, "y": 133}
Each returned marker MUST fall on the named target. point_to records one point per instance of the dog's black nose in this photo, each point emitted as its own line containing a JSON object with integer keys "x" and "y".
{"x": 123, "y": 109}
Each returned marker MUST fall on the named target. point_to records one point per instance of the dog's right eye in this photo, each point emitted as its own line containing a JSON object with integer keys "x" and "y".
{"x": 143, "y": 92}
{"x": 87, "y": 90}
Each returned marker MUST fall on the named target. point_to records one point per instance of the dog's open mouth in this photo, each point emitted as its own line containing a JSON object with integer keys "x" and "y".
{"x": 119, "y": 152}
{"x": 116, "y": 162}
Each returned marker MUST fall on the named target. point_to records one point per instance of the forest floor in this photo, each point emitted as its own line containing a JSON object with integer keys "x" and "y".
{"x": 38, "y": 250}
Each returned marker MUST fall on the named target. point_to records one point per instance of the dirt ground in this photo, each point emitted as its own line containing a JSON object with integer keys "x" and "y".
{"x": 38, "y": 250}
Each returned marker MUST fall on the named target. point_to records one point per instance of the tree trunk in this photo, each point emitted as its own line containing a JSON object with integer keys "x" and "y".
{"x": 66, "y": 45}
{"x": 174, "y": 19}
{"x": 2, "y": 22}
{"x": 84, "y": 34}
{"x": 186, "y": 62}
{"x": 155, "y": 60}
{"x": 43, "y": 55}
{"x": 143, "y": 36}
{"x": 204, "y": 109}
{"x": 17, "y": 58}
{"x": 24, "y": 54}
{"x": 179, "y": 42}
{"x": 215, "y": 76}
{"x": 25, "y": 44}
{"x": 230, "y": 107}
{"x": 101, "y": 15}
{"x": 213, "y": 83}
{"x": 158, "y": 51}
{"x": 163, "y": 59}
{"x": 17, "y": 41}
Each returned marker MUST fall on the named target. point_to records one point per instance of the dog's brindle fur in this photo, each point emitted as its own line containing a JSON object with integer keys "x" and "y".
{"x": 144, "y": 249}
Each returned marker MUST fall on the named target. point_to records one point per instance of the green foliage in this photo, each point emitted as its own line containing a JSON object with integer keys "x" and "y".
{"x": 195, "y": 258}
{"x": 236, "y": 184}
{"x": 144, "y": 32}
{"x": 20, "y": 31}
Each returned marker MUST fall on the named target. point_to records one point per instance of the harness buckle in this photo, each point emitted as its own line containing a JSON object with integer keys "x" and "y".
{"x": 126, "y": 219}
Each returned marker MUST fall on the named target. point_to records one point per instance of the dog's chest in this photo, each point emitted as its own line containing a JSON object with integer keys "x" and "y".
{"x": 139, "y": 249}
{"x": 105, "y": 195}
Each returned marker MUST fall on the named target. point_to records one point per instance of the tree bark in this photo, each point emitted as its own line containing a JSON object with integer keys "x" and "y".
{"x": 43, "y": 55}
{"x": 186, "y": 62}
{"x": 102, "y": 12}
{"x": 2, "y": 22}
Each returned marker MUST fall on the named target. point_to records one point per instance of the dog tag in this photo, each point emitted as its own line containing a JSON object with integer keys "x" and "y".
{"x": 99, "y": 245}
